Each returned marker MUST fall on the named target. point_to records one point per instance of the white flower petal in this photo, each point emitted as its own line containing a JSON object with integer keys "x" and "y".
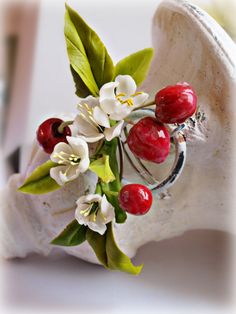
{"x": 97, "y": 227}
{"x": 84, "y": 127}
{"x": 109, "y": 105}
{"x": 86, "y": 106}
{"x": 79, "y": 146}
{"x": 140, "y": 99}
{"x": 120, "y": 115}
{"x": 107, "y": 91}
{"x": 91, "y": 198}
{"x": 126, "y": 85}
{"x": 82, "y": 220}
{"x": 96, "y": 222}
{"x": 60, "y": 147}
{"x": 101, "y": 117}
{"x": 113, "y": 131}
{"x": 83, "y": 206}
{"x": 83, "y": 165}
{"x": 71, "y": 173}
{"x": 90, "y": 101}
{"x": 55, "y": 174}
{"x": 81, "y": 200}
{"x": 107, "y": 210}
{"x": 93, "y": 139}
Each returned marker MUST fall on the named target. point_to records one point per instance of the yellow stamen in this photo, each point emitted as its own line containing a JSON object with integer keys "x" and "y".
{"x": 128, "y": 101}
{"x": 93, "y": 217}
{"x": 103, "y": 217}
{"x": 120, "y": 95}
{"x": 71, "y": 159}
{"x": 85, "y": 212}
{"x": 136, "y": 94}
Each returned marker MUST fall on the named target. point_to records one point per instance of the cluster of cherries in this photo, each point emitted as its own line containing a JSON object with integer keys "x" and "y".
{"x": 148, "y": 139}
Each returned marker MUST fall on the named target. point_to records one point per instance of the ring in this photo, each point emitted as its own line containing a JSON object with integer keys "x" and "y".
{"x": 137, "y": 164}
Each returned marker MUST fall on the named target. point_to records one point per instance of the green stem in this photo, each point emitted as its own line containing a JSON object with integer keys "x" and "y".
{"x": 112, "y": 189}
{"x": 151, "y": 103}
{"x": 121, "y": 159}
{"x": 112, "y": 193}
{"x": 98, "y": 188}
{"x": 129, "y": 121}
{"x": 63, "y": 125}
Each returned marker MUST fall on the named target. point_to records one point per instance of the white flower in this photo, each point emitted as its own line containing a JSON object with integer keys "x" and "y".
{"x": 73, "y": 159}
{"x": 94, "y": 211}
{"x": 93, "y": 123}
{"x": 119, "y": 98}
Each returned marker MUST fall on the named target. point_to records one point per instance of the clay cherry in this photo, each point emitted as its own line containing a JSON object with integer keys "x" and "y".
{"x": 149, "y": 140}
{"x": 175, "y": 104}
{"x": 48, "y": 135}
{"x": 135, "y": 199}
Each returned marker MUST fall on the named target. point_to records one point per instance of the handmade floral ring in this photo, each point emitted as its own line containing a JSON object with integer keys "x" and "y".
{"x": 180, "y": 155}
{"x": 86, "y": 147}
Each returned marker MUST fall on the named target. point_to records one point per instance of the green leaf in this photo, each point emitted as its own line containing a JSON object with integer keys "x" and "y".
{"x": 73, "y": 234}
{"x": 77, "y": 55}
{"x": 116, "y": 258}
{"x": 135, "y": 65}
{"x": 102, "y": 169}
{"x": 98, "y": 244}
{"x": 108, "y": 252}
{"x": 81, "y": 89}
{"x": 83, "y": 44}
{"x": 40, "y": 182}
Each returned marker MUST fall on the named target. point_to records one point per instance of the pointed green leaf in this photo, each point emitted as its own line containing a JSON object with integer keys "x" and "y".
{"x": 108, "y": 252}
{"x": 81, "y": 90}
{"x": 40, "y": 182}
{"x": 102, "y": 169}
{"x": 135, "y": 65}
{"x": 98, "y": 244}
{"x": 73, "y": 234}
{"x": 91, "y": 47}
{"x": 77, "y": 55}
{"x": 116, "y": 258}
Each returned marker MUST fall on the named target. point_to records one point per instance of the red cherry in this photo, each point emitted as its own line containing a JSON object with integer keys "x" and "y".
{"x": 149, "y": 140}
{"x": 135, "y": 199}
{"x": 48, "y": 135}
{"x": 175, "y": 104}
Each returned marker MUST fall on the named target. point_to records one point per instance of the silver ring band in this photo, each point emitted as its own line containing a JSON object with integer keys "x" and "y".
{"x": 137, "y": 164}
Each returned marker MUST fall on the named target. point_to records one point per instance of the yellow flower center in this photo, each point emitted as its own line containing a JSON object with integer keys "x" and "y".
{"x": 87, "y": 114}
{"x": 65, "y": 159}
{"x": 91, "y": 211}
{"x": 129, "y": 101}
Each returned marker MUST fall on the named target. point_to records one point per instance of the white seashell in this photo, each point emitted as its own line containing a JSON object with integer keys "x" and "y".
{"x": 190, "y": 46}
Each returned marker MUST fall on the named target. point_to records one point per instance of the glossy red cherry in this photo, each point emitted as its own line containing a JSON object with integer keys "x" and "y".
{"x": 48, "y": 135}
{"x": 149, "y": 140}
{"x": 135, "y": 199}
{"x": 175, "y": 104}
